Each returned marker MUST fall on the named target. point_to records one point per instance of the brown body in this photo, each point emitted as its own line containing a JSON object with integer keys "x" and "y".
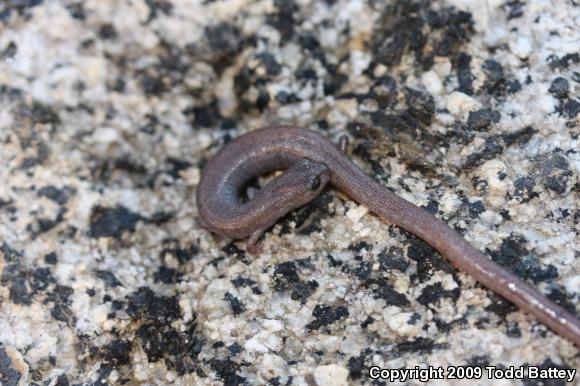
{"x": 265, "y": 150}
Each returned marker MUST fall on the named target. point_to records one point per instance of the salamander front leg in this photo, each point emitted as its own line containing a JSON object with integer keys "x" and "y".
{"x": 252, "y": 243}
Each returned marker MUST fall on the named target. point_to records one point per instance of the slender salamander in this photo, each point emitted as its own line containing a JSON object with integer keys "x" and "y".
{"x": 310, "y": 162}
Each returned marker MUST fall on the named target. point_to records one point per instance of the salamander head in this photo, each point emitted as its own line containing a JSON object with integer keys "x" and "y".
{"x": 298, "y": 185}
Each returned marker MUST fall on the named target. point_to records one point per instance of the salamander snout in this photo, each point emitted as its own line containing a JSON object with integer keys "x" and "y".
{"x": 299, "y": 184}
{"x": 313, "y": 176}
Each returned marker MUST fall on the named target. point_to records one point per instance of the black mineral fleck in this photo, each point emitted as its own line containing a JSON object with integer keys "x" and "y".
{"x": 9, "y": 376}
{"x": 358, "y": 247}
{"x": 571, "y": 108}
{"x": 519, "y": 137}
{"x": 356, "y": 364}
{"x": 107, "y": 32}
{"x": 556, "y": 172}
{"x": 9, "y": 52}
{"x": 224, "y": 38}
{"x": 60, "y": 196}
{"x": 39, "y": 112}
{"x": 564, "y": 61}
{"x": 562, "y": 299}
{"x": 500, "y": 306}
{"x": 227, "y": 371}
{"x": 146, "y": 305}
{"x": 494, "y": 74}
{"x": 421, "y": 106}
{"x": 362, "y": 271}
{"x": 513, "y": 330}
{"x": 478, "y": 361}
{"x": 547, "y": 364}
{"x": 559, "y": 87}
{"x": 233, "y": 250}
{"x": 10, "y": 254}
{"x": 62, "y": 380}
{"x": 167, "y": 275}
{"x": 178, "y": 349}
{"x": 183, "y": 255}
{"x": 243, "y": 282}
{"x": 236, "y": 305}
{"x": 393, "y": 259}
{"x": 117, "y": 352}
{"x": 326, "y": 315}
{"x": 20, "y": 292}
{"x": 302, "y": 291}
{"x": 515, "y": 9}
{"x": 482, "y": 119}
{"x": 515, "y": 256}
{"x": 285, "y": 276}
{"x": 464, "y": 74}
{"x": 176, "y": 166}
{"x": 270, "y": 63}
{"x": 205, "y": 116}
{"x": 491, "y": 149}
{"x": 475, "y": 208}
{"x": 433, "y": 293}
{"x": 51, "y": 258}
{"x": 427, "y": 258}
{"x": 61, "y": 297}
{"x": 524, "y": 189}
{"x": 384, "y": 290}
{"x": 109, "y": 278}
{"x": 112, "y": 222}
{"x": 157, "y": 7}
{"x": 41, "y": 279}
{"x": 419, "y": 345}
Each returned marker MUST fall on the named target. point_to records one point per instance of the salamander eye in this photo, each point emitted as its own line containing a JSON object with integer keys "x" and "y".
{"x": 315, "y": 183}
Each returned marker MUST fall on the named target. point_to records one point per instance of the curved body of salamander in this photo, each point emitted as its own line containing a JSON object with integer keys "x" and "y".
{"x": 274, "y": 148}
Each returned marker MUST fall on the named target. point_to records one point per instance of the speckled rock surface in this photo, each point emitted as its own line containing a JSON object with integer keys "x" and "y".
{"x": 110, "y": 108}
